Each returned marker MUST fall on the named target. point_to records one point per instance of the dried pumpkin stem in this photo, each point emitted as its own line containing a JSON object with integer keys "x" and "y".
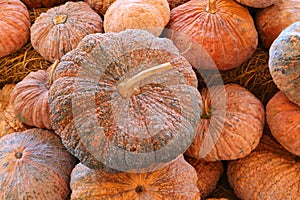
{"x": 127, "y": 87}
{"x": 206, "y": 113}
{"x": 212, "y": 7}
{"x": 60, "y": 19}
{"x": 52, "y": 69}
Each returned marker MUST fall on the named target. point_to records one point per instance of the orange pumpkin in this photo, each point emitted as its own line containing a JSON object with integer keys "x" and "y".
{"x": 283, "y": 118}
{"x": 224, "y": 28}
{"x": 15, "y": 26}
{"x": 175, "y": 181}
{"x": 231, "y": 124}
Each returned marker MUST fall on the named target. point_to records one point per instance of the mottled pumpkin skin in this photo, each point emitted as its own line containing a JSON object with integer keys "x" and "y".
{"x": 175, "y": 181}
{"x": 150, "y": 15}
{"x": 284, "y": 62}
{"x": 269, "y": 172}
{"x": 15, "y": 26}
{"x": 34, "y": 165}
{"x": 258, "y": 4}
{"x": 271, "y": 21}
{"x": 208, "y": 174}
{"x": 42, "y": 3}
{"x": 60, "y": 29}
{"x": 229, "y": 35}
{"x": 100, "y": 6}
{"x": 234, "y": 127}
{"x": 30, "y": 99}
{"x": 283, "y": 118}
{"x": 156, "y": 124}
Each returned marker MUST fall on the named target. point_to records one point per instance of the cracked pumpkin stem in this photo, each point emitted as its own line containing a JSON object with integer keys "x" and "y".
{"x": 127, "y": 87}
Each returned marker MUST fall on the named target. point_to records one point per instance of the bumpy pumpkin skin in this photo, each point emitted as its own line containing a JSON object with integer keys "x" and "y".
{"x": 227, "y": 34}
{"x": 154, "y": 125}
{"x": 15, "y": 26}
{"x": 34, "y": 165}
{"x": 269, "y": 172}
{"x": 258, "y": 4}
{"x": 208, "y": 174}
{"x": 42, "y": 3}
{"x": 284, "y": 63}
{"x": 271, "y": 21}
{"x": 175, "y": 181}
{"x": 61, "y": 28}
{"x": 233, "y": 126}
{"x": 283, "y": 118}
{"x": 100, "y": 6}
{"x": 150, "y": 15}
{"x": 30, "y": 99}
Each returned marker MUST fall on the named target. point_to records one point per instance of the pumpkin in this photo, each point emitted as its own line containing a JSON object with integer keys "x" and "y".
{"x": 269, "y": 172}
{"x": 177, "y": 180}
{"x": 42, "y": 3}
{"x": 208, "y": 174}
{"x": 284, "y": 63}
{"x": 34, "y": 165}
{"x": 100, "y": 6}
{"x": 257, "y": 4}
{"x": 151, "y": 15}
{"x": 59, "y": 30}
{"x": 175, "y": 3}
{"x": 231, "y": 124}
{"x": 30, "y": 99}
{"x": 9, "y": 123}
{"x": 271, "y": 21}
{"x": 15, "y": 26}
{"x": 125, "y": 101}
{"x": 283, "y": 118}
{"x": 223, "y": 28}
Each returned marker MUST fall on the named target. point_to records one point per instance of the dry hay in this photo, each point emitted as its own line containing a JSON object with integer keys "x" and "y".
{"x": 253, "y": 74}
{"x": 14, "y": 67}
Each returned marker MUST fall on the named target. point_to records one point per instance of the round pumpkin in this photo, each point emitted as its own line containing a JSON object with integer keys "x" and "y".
{"x": 42, "y": 3}
{"x": 269, "y": 172}
{"x": 127, "y": 100}
{"x": 283, "y": 118}
{"x": 257, "y": 4}
{"x": 284, "y": 62}
{"x": 34, "y": 165}
{"x": 30, "y": 99}
{"x": 208, "y": 174}
{"x": 60, "y": 29}
{"x": 223, "y": 28}
{"x": 271, "y": 21}
{"x": 15, "y": 26}
{"x": 231, "y": 124}
{"x": 100, "y": 6}
{"x": 150, "y": 15}
{"x": 177, "y": 180}
{"x": 9, "y": 123}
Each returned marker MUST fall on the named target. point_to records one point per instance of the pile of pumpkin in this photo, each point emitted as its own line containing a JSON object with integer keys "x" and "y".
{"x": 120, "y": 114}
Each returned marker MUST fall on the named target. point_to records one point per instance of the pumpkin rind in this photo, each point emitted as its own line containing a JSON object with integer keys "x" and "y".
{"x": 271, "y": 21}
{"x": 284, "y": 62}
{"x": 100, "y": 6}
{"x": 208, "y": 174}
{"x": 175, "y": 181}
{"x": 234, "y": 126}
{"x": 258, "y": 4}
{"x": 227, "y": 34}
{"x": 34, "y": 165}
{"x": 269, "y": 172}
{"x": 61, "y": 28}
{"x": 154, "y": 125}
{"x": 283, "y": 118}
{"x": 15, "y": 26}
{"x": 30, "y": 99}
{"x": 150, "y": 15}
{"x": 42, "y": 3}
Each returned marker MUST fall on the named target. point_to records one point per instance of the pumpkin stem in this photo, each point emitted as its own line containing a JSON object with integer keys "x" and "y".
{"x": 212, "y": 7}
{"x": 52, "y": 69}
{"x": 18, "y": 155}
{"x": 139, "y": 189}
{"x": 60, "y": 19}
{"x": 206, "y": 113}
{"x": 127, "y": 87}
